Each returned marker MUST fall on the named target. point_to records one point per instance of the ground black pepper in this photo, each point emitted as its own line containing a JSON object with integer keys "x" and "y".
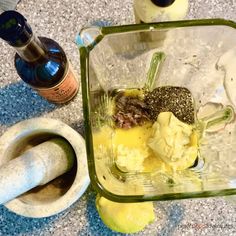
{"x": 177, "y": 100}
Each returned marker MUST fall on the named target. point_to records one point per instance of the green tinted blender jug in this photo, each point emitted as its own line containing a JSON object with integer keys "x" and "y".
{"x": 191, "y": 65}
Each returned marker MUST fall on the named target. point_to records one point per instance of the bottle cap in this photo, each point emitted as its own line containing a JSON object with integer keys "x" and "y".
{"x": 14, "y": 28}
{"x": 163, "y": 3}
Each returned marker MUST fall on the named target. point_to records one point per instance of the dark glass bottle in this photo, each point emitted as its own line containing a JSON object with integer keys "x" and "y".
{"x": 39, "y": 61}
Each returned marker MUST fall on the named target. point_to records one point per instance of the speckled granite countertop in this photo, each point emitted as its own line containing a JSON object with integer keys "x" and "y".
{"x": 62, "y": 20}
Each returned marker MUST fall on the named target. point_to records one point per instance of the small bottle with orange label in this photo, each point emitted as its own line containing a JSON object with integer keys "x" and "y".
{"x": 39, "y": 61}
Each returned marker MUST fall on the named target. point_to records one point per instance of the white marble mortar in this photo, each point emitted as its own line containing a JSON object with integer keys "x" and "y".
{"x": 64, "y": 191}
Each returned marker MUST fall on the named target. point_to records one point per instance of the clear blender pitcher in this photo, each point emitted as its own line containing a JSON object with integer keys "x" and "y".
{"x": 198, "y": 55}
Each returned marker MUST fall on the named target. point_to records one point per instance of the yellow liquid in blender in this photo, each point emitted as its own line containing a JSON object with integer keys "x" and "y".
{"x": 133, "y": 138}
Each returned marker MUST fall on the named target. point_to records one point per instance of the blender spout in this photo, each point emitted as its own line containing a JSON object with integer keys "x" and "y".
{"x": 88, "y": 36}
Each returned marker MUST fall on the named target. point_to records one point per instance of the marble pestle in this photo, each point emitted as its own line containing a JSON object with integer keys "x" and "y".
{"x": 36, "y": 166}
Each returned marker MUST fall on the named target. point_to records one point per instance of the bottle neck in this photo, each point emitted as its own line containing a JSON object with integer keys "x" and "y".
{"x": 163, "y": 3}
{"x": 32, "y": 50}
